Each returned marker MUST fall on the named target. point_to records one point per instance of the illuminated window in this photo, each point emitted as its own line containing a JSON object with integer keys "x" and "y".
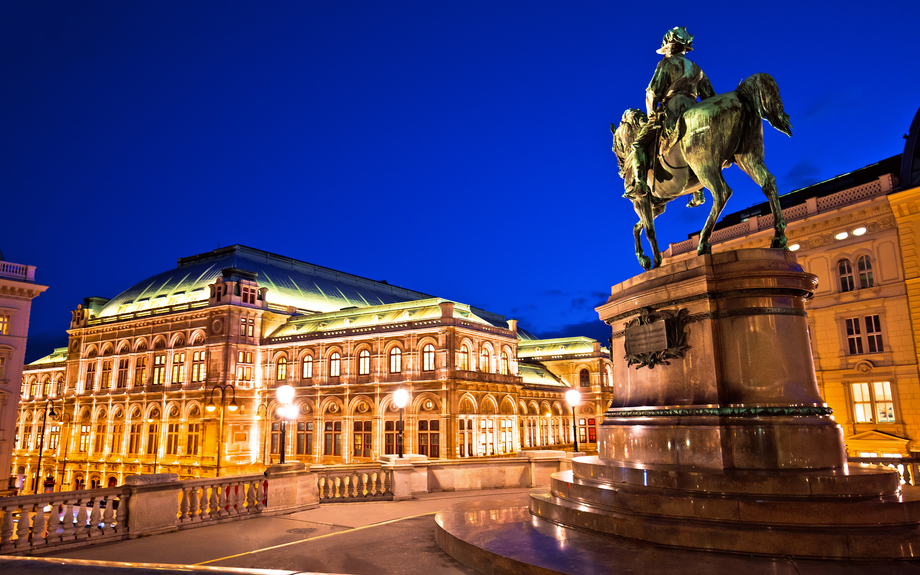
{"x": 60, "y": 387}
{"x": 864, "y": 267}
{"x": 172, "y": 439}
{"x": 364, "y": 362}
{"x": 134, "y": 438}
{"x": 395, "y": 360}
{"x": 4, "y": 324}
{"x": 34, "y": 389}
{"x": 199, "y": 367}
{"x": 389, "y": 438}
{"x": 248, "y": 295}
{"x": 159, "y": 369}
{"x": 846, "y": 275}
{"x": 24, "y": 390}
{"x": 428, "y": 358}
{"x": 335, "y": 365}
{"x": 101, "y": 434}
{"x": 429, "y": 437}
{"x": 584, "y": 378}
{"x": 363, "y": 438}
{"x": 247, "y": 327}
{"x": 178, "y": 368}
{"x": 106, "y": 375}
{"x": 83, "y": 446}
{"x": 868, "y": 342}
{"x": 503, "y": 363}
{"x": 281, "y": 372}
{"x": 465, "y": 438}
{"x": 140, "y": 371}
{"x": 276, "y": 437}
{"x": 485, "y": 362}
{"x": 194, "y": 435}
{"x": 308, "y": 367}
{"x": 463, "y": 358}
{"x": 873, "y": 402}
{"x": 46, "y": 388}
{"x": 118, "y": 431}
{"x": 54, "y": 438}
{"x": 244, "y": 366}
{"x": 153, "y": 436}
{"x": 90, "y": 376}
{"x": 122, "y": 378}
{"x": 333, "y": 438}
{"x": 304, "y": 438}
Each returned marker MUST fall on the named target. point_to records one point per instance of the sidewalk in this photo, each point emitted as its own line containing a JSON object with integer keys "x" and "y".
{"x": 377, "y": 537}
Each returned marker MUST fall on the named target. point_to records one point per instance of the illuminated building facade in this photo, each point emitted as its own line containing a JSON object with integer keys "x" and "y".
{"x": 860, "y": 234}
{"x": 155, "y": 379}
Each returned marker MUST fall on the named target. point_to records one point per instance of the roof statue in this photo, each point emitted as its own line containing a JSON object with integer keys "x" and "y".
{"x": 688, "y": 135}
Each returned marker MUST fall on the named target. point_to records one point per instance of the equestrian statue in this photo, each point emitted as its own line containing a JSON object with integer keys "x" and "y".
{"x": 682, "y": 146}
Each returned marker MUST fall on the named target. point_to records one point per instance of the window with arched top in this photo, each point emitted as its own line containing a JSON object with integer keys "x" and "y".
{"x": 845, "y": 271}
{"x": 485, "y": 361}
{"x": 463, "y": 358}
{"x": 281, "y": 371}
{"x": 395, "y": 360}
{"x": 428, "y": 358}
{"x": 584, "y": 378}
{"x": 46, "y": 388}
{"x": 864, "y": 269}
{"x": 364, "y": 362}
{"x": 504, "y": 363}
{"x": 335, "y": 365}
{"x": 308, "y": 367}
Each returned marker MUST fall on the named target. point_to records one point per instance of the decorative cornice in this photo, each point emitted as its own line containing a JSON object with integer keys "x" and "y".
{"x": 792, "y": 410}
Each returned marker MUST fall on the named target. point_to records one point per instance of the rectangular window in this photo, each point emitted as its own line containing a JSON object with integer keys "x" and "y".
{"x": 90, "y": 376}
{"x": 244, "y": 366}
{"x": 153, "y": 438}
{"x": 199, "y": 367}
{"x": 429, "y": 438}
{"x": 4, "y": 324}
{"x": 874, "y": 334}
{"x": 308, "y": 367}
{"x": 884, "y": 406}
{"x": 194, "y": 434}
{"x": 172, "y": 439}
{"x": 2, "y": 367}
{"x": 276, "y": 437}
{"x": 864, "y": 341}
{"x": 140, "y": 371}
{"x": 106, "y": 375}
{"x": 101, "y": 435}
{"x": 333, "y": 439}
{"x": 54, "y": 438}
{"x": 247, "y": 327}
{"x": 178, "y": 369}
{"x": 84, "y": 439}
{"x": 304, "y": 438}
{"x": 363, "y": 439}
{"x": 854, "y": 338}
{"x": 159, "y": 369}
{"x": 122, "y": 373}
{"x": 118, "y": 431}
{"x": 389, "y": 438}
{"x": 134, "y": 439}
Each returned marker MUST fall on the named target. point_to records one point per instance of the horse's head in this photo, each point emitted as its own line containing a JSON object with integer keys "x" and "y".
{"x": 625, "y": 134}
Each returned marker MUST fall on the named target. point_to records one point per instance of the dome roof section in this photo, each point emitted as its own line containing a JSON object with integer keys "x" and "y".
{"x": 290, "y": 283}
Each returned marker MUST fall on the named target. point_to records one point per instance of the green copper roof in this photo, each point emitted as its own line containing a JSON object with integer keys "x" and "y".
{"x": 59, "y": 354}
{"x": 537, "y": 348}
{"x": 290, "y": 283}
{"x": 537, "y": 374}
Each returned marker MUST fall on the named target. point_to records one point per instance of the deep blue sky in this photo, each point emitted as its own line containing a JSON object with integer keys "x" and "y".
{"x": 456, "y": 148}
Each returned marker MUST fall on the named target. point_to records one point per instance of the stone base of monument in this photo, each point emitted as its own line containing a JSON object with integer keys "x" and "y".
{"x": 717, "y": 437}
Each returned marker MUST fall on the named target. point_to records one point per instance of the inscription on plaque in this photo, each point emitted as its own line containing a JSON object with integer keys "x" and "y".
{"x": 647, "y": 338}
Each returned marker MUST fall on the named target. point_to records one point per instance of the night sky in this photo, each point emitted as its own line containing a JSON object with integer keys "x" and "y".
{"x": 460, "y": 149}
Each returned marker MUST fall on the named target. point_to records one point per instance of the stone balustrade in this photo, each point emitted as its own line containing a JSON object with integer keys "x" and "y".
{"x": 352, "y": 483}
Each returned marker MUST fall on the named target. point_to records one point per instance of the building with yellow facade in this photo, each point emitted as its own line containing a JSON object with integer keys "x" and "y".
{"x": 178, "y": 374}
{"x": 860, "y": 234}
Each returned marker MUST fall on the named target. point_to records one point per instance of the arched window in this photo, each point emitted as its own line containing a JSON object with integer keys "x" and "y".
{"x": 584, "y": 378}
{"x": 308, "y": 367}
{"x": 395, "y": 360}
{"x": 46, "y": 388}
{"x": 364, "y": 362}
{"x": 34, "y": 392}
{"x": 609, "y": 379}
{"x": 282, "y": 369}
{"x": 485, "y": 363}
{"x": 846, "y": 275}
{"x": 463, "y": 358}
{"x": 428, "y": 358}
{"x": 503, "y": 364}
{"x": 60, "y": 387}
{"x": 335, "y": 365}
{"x": 864, "y": 267}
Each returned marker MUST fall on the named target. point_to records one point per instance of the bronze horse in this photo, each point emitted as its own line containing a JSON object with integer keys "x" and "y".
{"x": 712, "y": 135}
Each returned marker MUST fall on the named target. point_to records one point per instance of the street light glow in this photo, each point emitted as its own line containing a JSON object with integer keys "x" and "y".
{"x": 573, "y": 397}
{"x": 400, "y": 398}
{"x": 285, "y": 394}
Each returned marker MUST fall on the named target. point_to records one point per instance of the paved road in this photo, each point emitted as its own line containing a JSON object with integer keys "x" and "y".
{"x": 359, "y": 538}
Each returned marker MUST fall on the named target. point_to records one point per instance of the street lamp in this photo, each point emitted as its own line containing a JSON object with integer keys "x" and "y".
{"x": 210, "y": 407}
{"x": 285, "y": 395}
{"x": 41, "y": 440}
{"x": 573, "y": 398}
{"x": 400, "y": 398}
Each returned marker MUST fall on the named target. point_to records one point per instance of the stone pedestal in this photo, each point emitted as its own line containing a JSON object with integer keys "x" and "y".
{"x": 717, "y": 437}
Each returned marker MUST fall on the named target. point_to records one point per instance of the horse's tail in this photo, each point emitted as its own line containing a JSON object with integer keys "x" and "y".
{"x": 762, "y": 94}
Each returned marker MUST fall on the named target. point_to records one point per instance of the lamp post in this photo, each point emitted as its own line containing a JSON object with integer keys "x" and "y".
{"x": 262, "y": 411}
{"x": 41, "y": 440}
{"x": 573, "y": 398}
{"x": 285, "y": 395}
{"x": 223, "y": 387}
{"x": 66, "y": 420}
{"x": 400, "y": 398}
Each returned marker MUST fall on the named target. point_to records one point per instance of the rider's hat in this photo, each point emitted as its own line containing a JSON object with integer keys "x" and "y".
{"x": 677, "y": 35}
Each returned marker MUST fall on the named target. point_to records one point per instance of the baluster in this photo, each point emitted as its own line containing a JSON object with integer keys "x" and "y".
{"x": 223, "y": 511}
{"x": 251, "y": 496}
{"x": 356, "y": 489}
{"x": 54, "y": 521}
{"x": 215, "y": 501}
{"x": 183, "y": 506}
{"x": 338, "y": 487}
{"x": 6, "y": 528}
{"x": 206, "y": 503}
{"x": 258, "y": 489}
{"x": 321, "y": 487}
{"x": 346, "y": 486}
{"x": 372, "y": 487}
{"x": 108, "y": 516}
{"x": 365, "y": 484}
{"x": 22, "y": 530}
{"x": 95, "y": 518}
{"x": 235, "y": 502}
{"x": 67, "y": 533}
{"x": 193, "y": 504}
{"x": 82, "y": 515}
{"x": 38, "y": 525}
{"x": 387, "y": 482}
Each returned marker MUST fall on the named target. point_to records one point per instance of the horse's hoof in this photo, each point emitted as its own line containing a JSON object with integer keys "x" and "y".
{"x": 704, "y": 249}
{"x": 692, "y": 203}
{"x": 645, "y": 262}
{"x": 778, "y": 243}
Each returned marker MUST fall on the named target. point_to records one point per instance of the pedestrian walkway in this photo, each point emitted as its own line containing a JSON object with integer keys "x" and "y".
{"x": 376, "y": 537}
